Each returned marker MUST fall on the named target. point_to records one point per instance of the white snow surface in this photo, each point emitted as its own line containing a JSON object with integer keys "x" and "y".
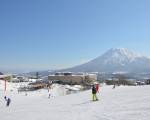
{"x": 121, "y": 103}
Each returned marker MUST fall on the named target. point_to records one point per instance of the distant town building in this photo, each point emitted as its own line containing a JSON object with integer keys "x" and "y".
{"x": 148, "y": 82}
{"x": 70, "y": 78}
{"x": 5, "y": 77}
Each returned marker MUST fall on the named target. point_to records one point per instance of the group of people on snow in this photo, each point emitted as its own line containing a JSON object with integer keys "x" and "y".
{"x": 95, "y": 90}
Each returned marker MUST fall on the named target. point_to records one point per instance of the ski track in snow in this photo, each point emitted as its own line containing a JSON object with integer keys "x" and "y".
{"x": 121, "y": 103}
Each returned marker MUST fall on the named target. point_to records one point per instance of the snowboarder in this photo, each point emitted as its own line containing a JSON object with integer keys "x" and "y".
{"x": 94, "y": 93}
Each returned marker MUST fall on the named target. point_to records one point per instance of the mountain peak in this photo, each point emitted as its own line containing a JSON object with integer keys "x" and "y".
{"x": 120, "y": 56}
{"x": 121, "y": 49}
{"x": 124, "y": 52}
{"x": 115, "y": 59}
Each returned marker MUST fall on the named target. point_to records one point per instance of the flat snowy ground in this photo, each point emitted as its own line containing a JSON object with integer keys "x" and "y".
{"x": 122, "y": 103}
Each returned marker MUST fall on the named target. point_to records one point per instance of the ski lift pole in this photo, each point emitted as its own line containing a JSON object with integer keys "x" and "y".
{"x": 5, "y": 86}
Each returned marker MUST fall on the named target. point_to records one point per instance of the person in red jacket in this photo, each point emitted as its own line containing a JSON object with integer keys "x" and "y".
{"x": 97, "y": 88}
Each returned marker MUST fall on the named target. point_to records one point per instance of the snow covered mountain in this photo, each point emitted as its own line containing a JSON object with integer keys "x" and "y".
{"x": 115, "y": 60}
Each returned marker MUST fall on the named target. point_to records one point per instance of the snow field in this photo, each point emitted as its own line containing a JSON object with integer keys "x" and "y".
{"x": 121, "y": 103}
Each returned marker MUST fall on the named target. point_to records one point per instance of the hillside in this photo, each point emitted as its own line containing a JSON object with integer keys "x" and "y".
{"x": 122, "y": 103}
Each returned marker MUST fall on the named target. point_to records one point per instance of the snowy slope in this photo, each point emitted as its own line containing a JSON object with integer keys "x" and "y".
{"x": 122, "y": 103}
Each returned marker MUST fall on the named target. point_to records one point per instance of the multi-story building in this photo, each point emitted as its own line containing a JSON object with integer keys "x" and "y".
{"x": 70, "y": 78}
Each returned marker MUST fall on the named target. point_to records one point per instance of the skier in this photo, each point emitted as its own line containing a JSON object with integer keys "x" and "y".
{"x": 26, "y": 92}
{"x": 114, "y": 86}
{"x": 8, "y": 102}
{"x": 49, "y": 91}
{"x": 94, "y": 93}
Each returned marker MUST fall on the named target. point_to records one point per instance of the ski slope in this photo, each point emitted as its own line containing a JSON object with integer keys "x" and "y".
{"x": 122, "y": 103}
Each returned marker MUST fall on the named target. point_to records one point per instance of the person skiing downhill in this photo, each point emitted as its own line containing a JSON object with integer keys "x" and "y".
{"x": 49, "y": 93}
{"x": 94, "y": 97}
{"x": 8, "y": 100}
{"x": 114, "y": 86}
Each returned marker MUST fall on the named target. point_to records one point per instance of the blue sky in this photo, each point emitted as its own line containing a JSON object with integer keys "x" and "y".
{"x": 53, "y": 34}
